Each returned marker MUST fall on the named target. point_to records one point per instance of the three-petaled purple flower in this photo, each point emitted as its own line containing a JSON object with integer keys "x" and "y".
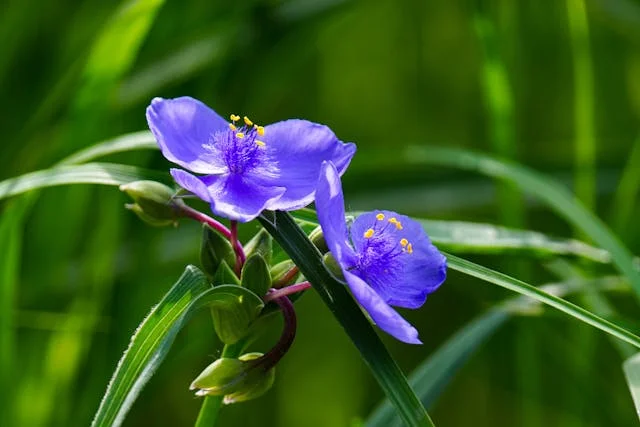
{"x": 247, "y": 168}
{"x": 386, "y": 258}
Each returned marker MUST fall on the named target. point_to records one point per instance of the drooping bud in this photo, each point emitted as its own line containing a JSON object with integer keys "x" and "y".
{"x": 261, "y": 244}
{"x": 214, "y": 249}
{"x": 155, "y": 203}
{"x": 237, "y": 380}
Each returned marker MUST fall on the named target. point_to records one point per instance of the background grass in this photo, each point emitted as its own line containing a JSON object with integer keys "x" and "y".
{"x": 533, "y": 81}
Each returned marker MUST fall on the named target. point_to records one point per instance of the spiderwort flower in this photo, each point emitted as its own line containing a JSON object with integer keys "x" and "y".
{"x": 386, "y": 258}
{"x": 247, "y": 168}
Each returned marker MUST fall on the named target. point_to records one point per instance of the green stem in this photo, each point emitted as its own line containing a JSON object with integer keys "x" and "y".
{"x": 305, "y": 255}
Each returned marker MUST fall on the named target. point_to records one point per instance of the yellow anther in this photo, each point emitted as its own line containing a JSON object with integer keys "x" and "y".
{"x": 247, "y": 121}
{"x": 409, "y": 248}
{"x": 260, "y": 130}
{"x": 399, "y": 225}
{"x": 395, "y": 222}
{"x": 260, "y": 143}
{"x": 368, "y": 233}
{"x": 404, "y": 242}
{"x": 233, "y": 127}
{"x": 234, "y": 118}
{"x": 240, "y": 135}
{"x": 380, "y": 216}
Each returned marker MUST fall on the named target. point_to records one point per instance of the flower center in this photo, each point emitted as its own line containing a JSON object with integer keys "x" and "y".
{"x": 239, "y": 146}
{"x": 383, "y": 244}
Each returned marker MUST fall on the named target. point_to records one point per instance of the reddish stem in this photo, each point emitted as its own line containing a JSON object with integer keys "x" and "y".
{"x": 275, "y": 294}
{"x": 231, "y": 235}
{"x": 237, "y": 248}
{"x": 273, "y": 356}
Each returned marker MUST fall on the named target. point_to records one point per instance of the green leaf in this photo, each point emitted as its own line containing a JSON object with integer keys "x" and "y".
{"x": 295, "y": 242}
{"x": 90, "y": 173}
{"x": 518, "y": 286}
{"x": 631, "y": 369}
{"x": 143, "y": 140}
{"x": 434, "y": 374}
{"x": 154, "y": 337}
{"x": 553, "y": 194}
{"x": 234, "y": 311}
{"x": 255, "y": 275}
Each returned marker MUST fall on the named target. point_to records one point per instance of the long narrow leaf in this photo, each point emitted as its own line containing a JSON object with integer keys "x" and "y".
{"x": 89, "y": 173}
{"x": 553, "y": 194}
{"x": 631, "y": 369}
{"x": 142, "y": 140}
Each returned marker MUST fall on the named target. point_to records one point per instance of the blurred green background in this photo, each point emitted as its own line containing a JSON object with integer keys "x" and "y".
{"x": 552, "y": 84}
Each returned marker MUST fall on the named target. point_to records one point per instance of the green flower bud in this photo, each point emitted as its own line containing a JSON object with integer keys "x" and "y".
{"x": 214, "y": 249}
{"x": 333, "y": 267}
{"x": 154, "y": 202}
{"x": 279, "y": 273}
{"x": 255, "y": 275}
{"x": 261, "y": 244}
{"x": 237, "y": 380}
{"x": 317, "y": 238}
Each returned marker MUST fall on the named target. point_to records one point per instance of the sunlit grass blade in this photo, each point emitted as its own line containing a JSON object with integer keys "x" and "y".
{"x": 473, "y": 237}
{"x": 631, "y": 369}
{"x": 393, "y": 382}
{"x": 154, "y": 337}
{"x": 89, "y": 173}
{"x": 626, "y": 195}
{"x": 434, "y": 374}
{"x": 554, "y": 195}
{"x": 518, "y": 286}
{"x": 142, "y": 140}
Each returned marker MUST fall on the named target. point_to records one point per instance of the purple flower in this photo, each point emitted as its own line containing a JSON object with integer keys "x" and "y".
{"x": 247, "y": 168}
{"x": 386, "y": 258}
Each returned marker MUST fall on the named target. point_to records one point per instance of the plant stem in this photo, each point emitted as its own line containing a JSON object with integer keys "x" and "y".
{"x": 273, "y": 356}
{"x": 298, "y": 287}
{"x": 237, "y": 248}
{"x": 289, "y": 275}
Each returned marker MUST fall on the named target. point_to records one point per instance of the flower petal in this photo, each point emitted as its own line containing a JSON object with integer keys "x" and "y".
{"x": 191, "y": 183}
{"x": 182, "y": 126}
{"x": 240, "y": 198}
{"x": 300, "y": 147}
{"x": 412, "y": 276}
{"x": 330, "y": 206}
{"x": 382, "y": 314}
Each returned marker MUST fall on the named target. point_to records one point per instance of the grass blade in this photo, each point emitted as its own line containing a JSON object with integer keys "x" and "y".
{"x": 433, "y": 375}
{"x": 518, "y": 286}
{"x": 631, "y": 369}
{"x": 142, "y": 140}
{"x": 90, "y": 173}
{"x": 557, "y": 197}
{"x": 393, "y": 382}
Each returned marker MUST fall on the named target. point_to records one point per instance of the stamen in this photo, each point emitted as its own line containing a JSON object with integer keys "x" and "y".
{"x": 260, "y": 130}
{"x": 247, "y": 121}
{"x": 368, "y": 233}
{"x": 240, "y": 135}
{"x": 404, "y": 242}
{"x": 380, "y": 216}
{"x": 234, "y": 118}
{"x": 409, "y": 248}
{"x": 395, "y": 222}
{"x": 260, "y": 143}
{"x": 233, "y": 127}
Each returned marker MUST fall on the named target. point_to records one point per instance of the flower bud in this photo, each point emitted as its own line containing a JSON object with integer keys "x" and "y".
{"x": 237, "y": 380}
{"x": 333, "y": 267}
{"x": 261, "y": 244}
{"x": 317, "y": 238}
{"x": 255, "y": 275}
{"x": 214, "y": 249}
{"x": 154, "y": 202}
{"x": 279, "y": 273}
